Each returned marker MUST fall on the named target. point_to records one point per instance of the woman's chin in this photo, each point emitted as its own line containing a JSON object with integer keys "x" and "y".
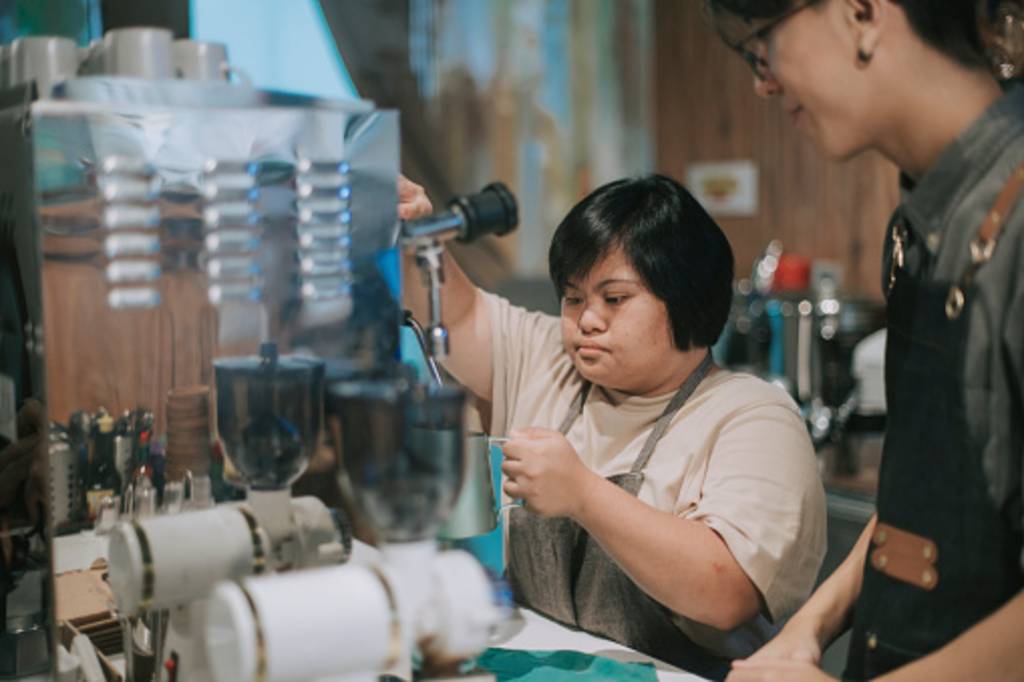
{"x": 600, "y": 376}
{"x": 836, "y": 146}
{"x": 590, "y": 371}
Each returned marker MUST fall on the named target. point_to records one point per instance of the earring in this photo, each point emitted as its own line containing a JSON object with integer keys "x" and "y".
{"x": 863, "y": 56}
{"x": 1003, "y": 37}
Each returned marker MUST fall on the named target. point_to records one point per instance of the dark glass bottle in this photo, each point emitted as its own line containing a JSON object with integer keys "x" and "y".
{"x": 79, "y": 428}
{"x": 158, "y": 465}
{"x": 104, "y": 479}
{"x": 143, "y": 466}
{"x": 142, "y": 430}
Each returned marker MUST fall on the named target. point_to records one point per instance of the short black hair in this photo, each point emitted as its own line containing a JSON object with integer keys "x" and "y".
{"x": 676, "y": 248}
{"x": 949, "y": 26}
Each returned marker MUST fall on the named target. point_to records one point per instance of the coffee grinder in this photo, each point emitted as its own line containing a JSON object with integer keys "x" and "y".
{"x": 269, "y": 419}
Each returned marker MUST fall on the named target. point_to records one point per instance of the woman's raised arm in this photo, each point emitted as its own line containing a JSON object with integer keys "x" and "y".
{"x": 463, "y": 308}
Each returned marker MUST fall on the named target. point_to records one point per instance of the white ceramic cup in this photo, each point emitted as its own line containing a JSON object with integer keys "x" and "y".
{"x": 198, "y": 60}
{"x": 141, "y": 52}
{"x": 47, "y": 60}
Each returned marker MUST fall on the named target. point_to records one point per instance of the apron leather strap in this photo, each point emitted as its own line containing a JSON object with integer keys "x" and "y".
{"x": 984, "y": 244}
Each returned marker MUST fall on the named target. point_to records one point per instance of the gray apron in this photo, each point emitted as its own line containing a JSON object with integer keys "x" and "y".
{"x": 558, "y": 570}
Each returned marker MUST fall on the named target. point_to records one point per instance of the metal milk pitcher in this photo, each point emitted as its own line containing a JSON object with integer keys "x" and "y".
{"x": 476, "y": 510}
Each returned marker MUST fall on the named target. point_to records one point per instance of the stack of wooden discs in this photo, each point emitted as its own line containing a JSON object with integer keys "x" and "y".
{"x": 188, "y": 431}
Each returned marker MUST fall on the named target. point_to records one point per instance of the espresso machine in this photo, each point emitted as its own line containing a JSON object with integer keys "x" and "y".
{"x": 161, "y": 232}
{"x": 173, "y": 232}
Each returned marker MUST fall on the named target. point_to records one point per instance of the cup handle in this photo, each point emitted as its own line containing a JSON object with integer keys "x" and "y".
{"x": 499, "y": 440}
{"x": 514, "y": 504}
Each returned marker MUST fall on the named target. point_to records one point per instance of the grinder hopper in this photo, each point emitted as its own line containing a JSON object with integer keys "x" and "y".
{"x": 268, "y": 415}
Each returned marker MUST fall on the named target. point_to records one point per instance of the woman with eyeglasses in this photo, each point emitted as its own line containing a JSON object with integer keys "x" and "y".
{"x": 933, "y": 587}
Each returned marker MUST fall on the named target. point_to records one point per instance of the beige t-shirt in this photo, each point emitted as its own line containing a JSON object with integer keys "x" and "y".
{"x": 736, "y": 456}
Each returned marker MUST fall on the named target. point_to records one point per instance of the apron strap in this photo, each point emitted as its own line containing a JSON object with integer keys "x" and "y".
{"x": 575, "y": 408}
{"x": 984, "y": 244}
{"x": 660, "y": 426}
{"x": 674, "y": 405}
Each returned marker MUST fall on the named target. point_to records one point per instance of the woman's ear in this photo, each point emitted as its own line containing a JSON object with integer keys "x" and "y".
{"x": 866, "y": 21}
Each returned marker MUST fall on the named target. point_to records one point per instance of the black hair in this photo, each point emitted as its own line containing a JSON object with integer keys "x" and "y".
{"x": 676, "y": 248}
{"x": 949, "y": 26}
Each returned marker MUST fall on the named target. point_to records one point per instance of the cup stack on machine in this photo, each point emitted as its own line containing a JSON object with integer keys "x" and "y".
{"x": 188, "y": 431}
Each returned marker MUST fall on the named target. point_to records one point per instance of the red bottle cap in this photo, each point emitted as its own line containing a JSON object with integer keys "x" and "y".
{"x": 792, "y": 274}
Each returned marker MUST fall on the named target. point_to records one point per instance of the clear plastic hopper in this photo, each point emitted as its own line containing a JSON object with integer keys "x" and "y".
{"x": 268, "y": 414}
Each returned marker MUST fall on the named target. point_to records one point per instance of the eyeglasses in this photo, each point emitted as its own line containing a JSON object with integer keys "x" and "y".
{"x": 757, "y": 63}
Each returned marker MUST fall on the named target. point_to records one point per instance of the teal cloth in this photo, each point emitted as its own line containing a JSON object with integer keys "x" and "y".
{"x": 554, "y": 666}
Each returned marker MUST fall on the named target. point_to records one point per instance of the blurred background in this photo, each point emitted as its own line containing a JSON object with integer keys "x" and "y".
{"x": 554, "y": 97}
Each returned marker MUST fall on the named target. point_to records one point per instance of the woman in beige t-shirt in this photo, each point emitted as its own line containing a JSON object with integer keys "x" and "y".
{"x": 669, "y": 504}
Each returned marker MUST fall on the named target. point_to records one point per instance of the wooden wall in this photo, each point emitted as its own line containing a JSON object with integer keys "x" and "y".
{"x": 706, "y": 110}
{"x": 98, "y": 357}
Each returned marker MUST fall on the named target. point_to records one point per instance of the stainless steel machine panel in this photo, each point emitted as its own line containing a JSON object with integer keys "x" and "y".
{"x": 171, "y": 235}
{"x": 149, "y": 228}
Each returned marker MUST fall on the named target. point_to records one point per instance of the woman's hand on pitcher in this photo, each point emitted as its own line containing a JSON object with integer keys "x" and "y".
{"x": 543, "y": 469}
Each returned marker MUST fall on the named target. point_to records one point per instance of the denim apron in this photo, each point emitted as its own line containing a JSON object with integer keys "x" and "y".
{"x": 558, "y": 570}
{"x": 932, "y": 487}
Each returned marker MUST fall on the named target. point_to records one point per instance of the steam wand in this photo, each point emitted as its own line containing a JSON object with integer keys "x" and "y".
{"x": 493, "y": 210}
{"x": 411, "y": 322}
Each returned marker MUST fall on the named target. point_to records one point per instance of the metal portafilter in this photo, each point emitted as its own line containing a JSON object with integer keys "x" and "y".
{"x": 493, "y": 210}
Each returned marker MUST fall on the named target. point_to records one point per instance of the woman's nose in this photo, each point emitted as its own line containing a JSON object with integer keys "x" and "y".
{"x": 590, "y": 321}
